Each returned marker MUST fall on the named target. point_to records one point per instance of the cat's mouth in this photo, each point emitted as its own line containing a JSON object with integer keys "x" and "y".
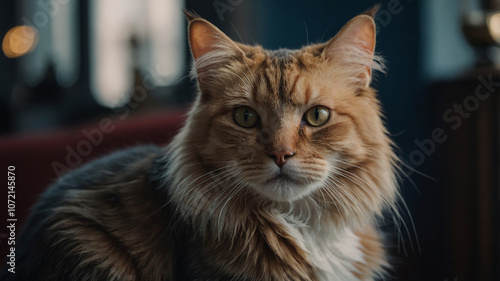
{"x": 281, "y": 178}
{"x": 283, "y": 187}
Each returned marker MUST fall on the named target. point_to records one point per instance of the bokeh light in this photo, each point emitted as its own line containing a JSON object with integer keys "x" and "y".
{"x": 19, "y": 41}
{"x": 494, "y": 26}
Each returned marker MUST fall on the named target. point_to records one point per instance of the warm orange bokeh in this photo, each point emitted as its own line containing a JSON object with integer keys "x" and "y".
{"x": 19, "y": 41}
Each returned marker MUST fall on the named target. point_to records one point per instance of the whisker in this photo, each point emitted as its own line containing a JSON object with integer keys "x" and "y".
{"x": 335, "y": 197}
{"x": 402, "y": 162}
{"x": 393, "y": 208}
{"x": 237, "y": 188}
{"x": 352, "y": 196}
{"x": 241, "y": 39}
{"x": 307, "y": 32}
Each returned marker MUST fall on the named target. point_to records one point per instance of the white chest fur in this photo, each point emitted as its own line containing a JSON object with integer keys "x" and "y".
{"x": 334, "y": 252}
{"x": 336, "y": 256}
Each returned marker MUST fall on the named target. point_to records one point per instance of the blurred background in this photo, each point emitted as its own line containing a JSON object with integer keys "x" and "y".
{"x": 81, "y": 78}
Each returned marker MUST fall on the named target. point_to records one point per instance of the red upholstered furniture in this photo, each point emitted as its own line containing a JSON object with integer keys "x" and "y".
{"x": 40, "y": 157}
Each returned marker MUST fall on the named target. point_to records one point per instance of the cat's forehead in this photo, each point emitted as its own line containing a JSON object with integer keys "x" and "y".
{"x": 283, "y": 59}
{"x": 285, "y": 55}
{"x": 280, "y": 80}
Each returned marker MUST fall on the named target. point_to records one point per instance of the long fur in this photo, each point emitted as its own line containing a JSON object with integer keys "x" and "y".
{"x": 213, "y": 205}
{"x": 332, "y": 226}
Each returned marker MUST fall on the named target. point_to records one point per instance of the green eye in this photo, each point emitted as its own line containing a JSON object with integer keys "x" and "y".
{"x": 245, "y": 117}
{"x": 317, "y": 116}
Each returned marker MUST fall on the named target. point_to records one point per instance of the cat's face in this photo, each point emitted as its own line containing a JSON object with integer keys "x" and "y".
{"x": 289, "y": 124}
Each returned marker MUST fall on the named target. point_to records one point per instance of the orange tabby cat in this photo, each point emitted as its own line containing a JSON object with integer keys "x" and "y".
{"x": 288, "y": 155}
{"x": 279, "y": 173}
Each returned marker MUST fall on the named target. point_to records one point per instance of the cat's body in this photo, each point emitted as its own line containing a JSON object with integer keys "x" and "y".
{"x": 109, "y": 221}
{"x": 279, "y": 174}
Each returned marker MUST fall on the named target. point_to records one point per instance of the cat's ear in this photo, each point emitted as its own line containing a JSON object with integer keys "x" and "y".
{"x": 211, "y": 50}
{"x": 354, "y": 48}
{"x": 205, "y": 38}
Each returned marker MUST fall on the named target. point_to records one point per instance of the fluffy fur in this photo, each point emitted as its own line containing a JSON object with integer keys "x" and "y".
{"x": 338, "y": 181}
{"x": 214, "y": 205}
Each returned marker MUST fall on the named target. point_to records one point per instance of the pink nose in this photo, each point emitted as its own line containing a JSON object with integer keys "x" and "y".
{"x": 280, "y": 156}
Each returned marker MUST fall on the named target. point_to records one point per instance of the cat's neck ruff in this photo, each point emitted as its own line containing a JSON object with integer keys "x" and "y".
{"x": 204, "y": 200}
{"x": 332, "y": 248}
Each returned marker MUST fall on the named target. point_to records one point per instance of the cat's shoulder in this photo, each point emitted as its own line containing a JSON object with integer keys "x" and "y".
{"x": 122, "y": 161}
{"x": 108, "y": 171}
{"x": 82, "y": 217}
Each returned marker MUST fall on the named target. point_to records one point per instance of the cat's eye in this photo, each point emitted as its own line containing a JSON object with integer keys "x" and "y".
{"x": 317, "y": 116}
{"x": 245, "y": 117}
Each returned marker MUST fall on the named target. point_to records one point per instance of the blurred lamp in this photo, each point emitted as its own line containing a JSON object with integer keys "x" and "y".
{"x": 493, "y": 23}
{"x": 19, "y": 41}
{"x": 481, "y": 27}
{"x": 481, "y": 24}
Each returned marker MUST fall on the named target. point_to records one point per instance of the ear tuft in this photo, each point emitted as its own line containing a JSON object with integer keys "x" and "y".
{"x": 372, "y": 11}
{"x": 190, "y": 16}
{"x": 354, "y": 48}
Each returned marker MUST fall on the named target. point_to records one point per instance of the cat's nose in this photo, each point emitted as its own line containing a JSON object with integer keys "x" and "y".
{"x": 280, "y": 157}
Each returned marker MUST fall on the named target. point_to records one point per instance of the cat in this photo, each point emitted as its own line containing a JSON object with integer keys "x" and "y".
{"x": 280, "y": 173}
